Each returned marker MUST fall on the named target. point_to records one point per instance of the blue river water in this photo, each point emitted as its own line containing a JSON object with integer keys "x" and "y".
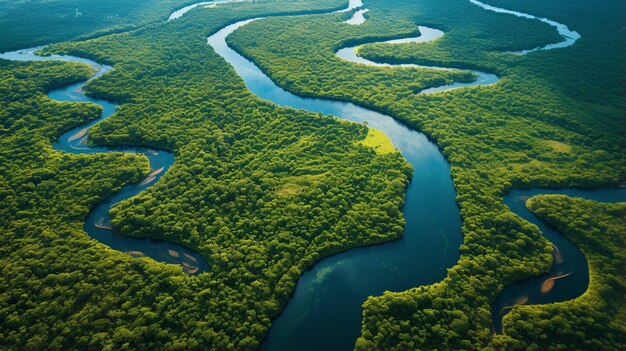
{"x": 98, "y": 222}
{"x": 325, "y": 310}
{"x": 569, "y": 261}
{"x": 569, "y": 36}
{"x": 426, "y": 35}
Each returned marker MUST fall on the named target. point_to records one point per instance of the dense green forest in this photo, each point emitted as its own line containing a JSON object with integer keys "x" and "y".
{"x": 29, "y": 23}
{"x": 595, "y": 320}
{"x": 51, "y": 270}
{"x": 261, "y": 192}
{"x": 264, "y": 192}
{"x": 547, "y": 123}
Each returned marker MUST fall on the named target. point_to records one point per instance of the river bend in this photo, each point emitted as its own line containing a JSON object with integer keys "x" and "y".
{"x": 426, "y": 35}
{"x": 569, "y": 36}
{"x": 328, "y": 297}
{"x": 325, "y": 311}
{"x": 98, "y": 222}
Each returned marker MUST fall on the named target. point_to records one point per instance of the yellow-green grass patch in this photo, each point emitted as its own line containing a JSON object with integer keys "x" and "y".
{"x": 559, "y": 146}
{"x": 378, "y": 141}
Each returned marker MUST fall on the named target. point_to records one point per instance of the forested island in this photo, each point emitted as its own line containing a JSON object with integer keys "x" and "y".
{"x": 292, "y": 165}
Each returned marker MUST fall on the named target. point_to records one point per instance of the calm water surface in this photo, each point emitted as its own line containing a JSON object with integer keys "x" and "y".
{"x": 325, "y": 311}
{"x": 569, "y": 260}
{"x": 569, "y": 36}
{"x": 426, "y": 35}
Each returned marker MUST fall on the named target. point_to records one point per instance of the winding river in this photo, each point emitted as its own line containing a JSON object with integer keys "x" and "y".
{"x": 569, "y": 36}
{"x": 569, "y": 276}
{"x": 426, "y": 34}
{"x": 97, "y": 223}
{"x": 180, "y": 12}
{"x": 325, "y": 311}
{"x": 358, "y": 17}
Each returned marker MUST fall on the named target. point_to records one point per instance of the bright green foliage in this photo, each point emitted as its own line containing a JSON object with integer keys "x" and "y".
{"x": 262, "y": 192}
{"x": 495, "y": 137}
{"x": 55, "y": 280}
{"x": 595, "y": 320}
{"x": 28, "y": 23}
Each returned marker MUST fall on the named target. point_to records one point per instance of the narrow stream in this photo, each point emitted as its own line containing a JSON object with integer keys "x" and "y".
{"x": 569, "y": 36}
{"x": 426, "y": 34}
{"x": 98, "y": 222}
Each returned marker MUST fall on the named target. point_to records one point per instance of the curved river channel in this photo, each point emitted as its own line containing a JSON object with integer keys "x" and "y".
{"x": 325, "y": 311}
{"x": 98, "y": 222}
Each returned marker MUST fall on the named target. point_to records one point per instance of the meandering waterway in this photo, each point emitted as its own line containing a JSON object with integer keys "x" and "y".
{"x": 426, "y": 35}
{"x": 358, "y": 17}
{"x": 325, "y": 311}
{"x": 180, "y": 12}
{"x": 569, "y": 36}
{"x": 98, "y": 222}
{"x": 569, "y": 274}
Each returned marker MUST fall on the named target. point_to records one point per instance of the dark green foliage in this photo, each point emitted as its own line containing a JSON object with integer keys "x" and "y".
{"x": 595, "y": 320}
{"x": 547, "y": 123}
{"x": 28, "y": 23}
{"x": 262, "y": 192}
